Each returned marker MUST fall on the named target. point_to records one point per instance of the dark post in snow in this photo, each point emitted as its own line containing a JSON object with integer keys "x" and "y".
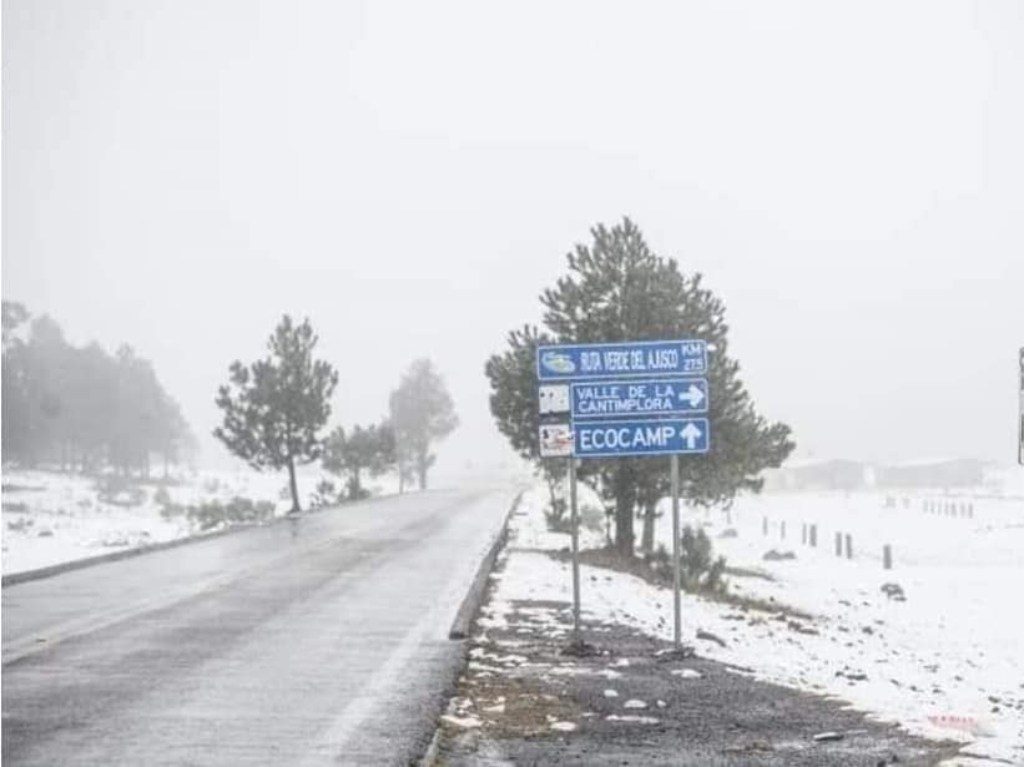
{"x": 839, "y": 544}
{"x": 1020, "y": 433}
{"x": 887, "y": 557}
{"x": 849, "y": 546}
{"x": 575, "y": 521}
{"x": 677, "y": 635}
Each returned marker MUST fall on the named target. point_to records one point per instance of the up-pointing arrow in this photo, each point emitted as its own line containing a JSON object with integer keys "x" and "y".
{"x": 691, "y": 434}
{"x": 693, "y": 395}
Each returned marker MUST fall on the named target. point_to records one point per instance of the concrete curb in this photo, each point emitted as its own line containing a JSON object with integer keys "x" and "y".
{"x": 463, "y": 622}
{"x": 77, "y": 564}
{"x": 474, "y": 597}
{"x": 430, "y": 756}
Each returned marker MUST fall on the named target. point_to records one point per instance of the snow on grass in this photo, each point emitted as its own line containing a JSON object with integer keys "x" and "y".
{"x": 49, "y": 518}
{"x": 951, "y": 654}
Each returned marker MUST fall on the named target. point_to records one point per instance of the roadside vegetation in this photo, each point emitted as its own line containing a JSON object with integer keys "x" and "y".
{"x": 275, "y": 411}
{"x": 212, "y": 515}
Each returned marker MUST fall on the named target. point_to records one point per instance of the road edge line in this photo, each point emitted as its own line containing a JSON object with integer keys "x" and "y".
{"x": 462, "y": 625}
{"x": 464, "y": 619}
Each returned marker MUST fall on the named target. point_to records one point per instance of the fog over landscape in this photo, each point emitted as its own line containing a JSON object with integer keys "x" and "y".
{"x": 410, "y": 176}
{"x": 457, "y": 383}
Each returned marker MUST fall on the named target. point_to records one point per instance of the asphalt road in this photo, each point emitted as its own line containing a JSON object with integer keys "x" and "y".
{"x": 321, "y": 640}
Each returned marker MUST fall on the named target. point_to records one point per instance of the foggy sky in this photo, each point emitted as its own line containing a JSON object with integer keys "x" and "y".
{"x": 848, "y": 177}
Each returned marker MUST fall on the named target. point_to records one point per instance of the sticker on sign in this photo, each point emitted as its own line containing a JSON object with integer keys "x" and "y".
{"x": 555, "y": 440}
{"x": 554, "y": 399}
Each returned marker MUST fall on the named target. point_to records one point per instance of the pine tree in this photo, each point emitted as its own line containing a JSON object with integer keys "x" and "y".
{"x": 513, "y": 401}
{"x": 275, "y": 407}
{"x": 370, "y": 449}
{"x": 617, "y": 289}
{"x": 15, "y": 394}
{"x": 422, "y": 412}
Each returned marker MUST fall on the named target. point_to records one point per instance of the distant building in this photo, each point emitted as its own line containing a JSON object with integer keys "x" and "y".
{"x": 823, "y": 475}
{"x": 961, "y": 472}
{"x": 855, "y": 475}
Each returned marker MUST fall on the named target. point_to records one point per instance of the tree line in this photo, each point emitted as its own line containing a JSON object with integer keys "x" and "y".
{"x": 82, "y": 409}
{"x": 275, "y": 409}
{"x": 79, "y": 408}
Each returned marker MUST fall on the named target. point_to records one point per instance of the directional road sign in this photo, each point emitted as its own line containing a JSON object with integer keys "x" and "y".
{"x": 634, "y": 398}
{"x": 615, "y": 439}
{"x": 634, "y": 359}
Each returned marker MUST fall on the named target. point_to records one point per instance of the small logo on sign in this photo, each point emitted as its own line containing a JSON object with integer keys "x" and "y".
{"x": 557, "y": 362}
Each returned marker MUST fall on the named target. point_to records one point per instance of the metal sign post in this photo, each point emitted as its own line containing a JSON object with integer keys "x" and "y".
{"x": 1020, "y": 435}
{"x": 575, "y": 521}
{"x": 676, "y": 575}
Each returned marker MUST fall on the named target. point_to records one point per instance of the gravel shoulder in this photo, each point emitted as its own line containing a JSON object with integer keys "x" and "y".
{"x": 522, "y": 700}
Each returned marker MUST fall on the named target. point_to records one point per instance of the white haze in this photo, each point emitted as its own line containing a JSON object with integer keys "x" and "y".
{"x": 849, "y": 177}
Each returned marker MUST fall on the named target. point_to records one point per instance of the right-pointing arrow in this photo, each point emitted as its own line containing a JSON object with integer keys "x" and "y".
{"x": 693, "y": 395}
{"x": 691, "y": 434}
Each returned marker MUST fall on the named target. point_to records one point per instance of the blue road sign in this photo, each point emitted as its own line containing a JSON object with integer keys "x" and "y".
{"x": 639, "y": 397}
{"x": 615, "y": 439}
{"x": 574, "y": 362}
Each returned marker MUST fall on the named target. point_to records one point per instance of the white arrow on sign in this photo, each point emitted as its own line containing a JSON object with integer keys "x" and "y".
{"x": 694, "y": 395}
{"x": 691, "y": 434}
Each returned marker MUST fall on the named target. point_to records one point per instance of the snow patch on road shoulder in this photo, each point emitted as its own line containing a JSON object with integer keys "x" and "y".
{"x": 880, "y": 656}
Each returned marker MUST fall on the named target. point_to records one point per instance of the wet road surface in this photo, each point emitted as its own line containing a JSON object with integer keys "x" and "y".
{"x": 320, "y": 640}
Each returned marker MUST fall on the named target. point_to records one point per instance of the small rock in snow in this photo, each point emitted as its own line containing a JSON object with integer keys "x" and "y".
{"x": 631, "y": 718}
{"x": 465, "y": 722}
{"x": 826, "y": 736}
{"x": 702, "y": 634}
{"x": 686, "y": 673}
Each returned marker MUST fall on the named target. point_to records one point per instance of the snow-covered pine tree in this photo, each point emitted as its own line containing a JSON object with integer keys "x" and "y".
{"x": 617, "y": 289}
{"x": 275, "y": 408}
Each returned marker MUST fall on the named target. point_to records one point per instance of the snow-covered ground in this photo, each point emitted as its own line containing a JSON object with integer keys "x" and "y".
{"x": 49, "y": 518}
{"x": 948, "y": 662}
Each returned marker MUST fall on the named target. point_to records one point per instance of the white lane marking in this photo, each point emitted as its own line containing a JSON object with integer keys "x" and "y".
{"x": 331, "y": 744}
